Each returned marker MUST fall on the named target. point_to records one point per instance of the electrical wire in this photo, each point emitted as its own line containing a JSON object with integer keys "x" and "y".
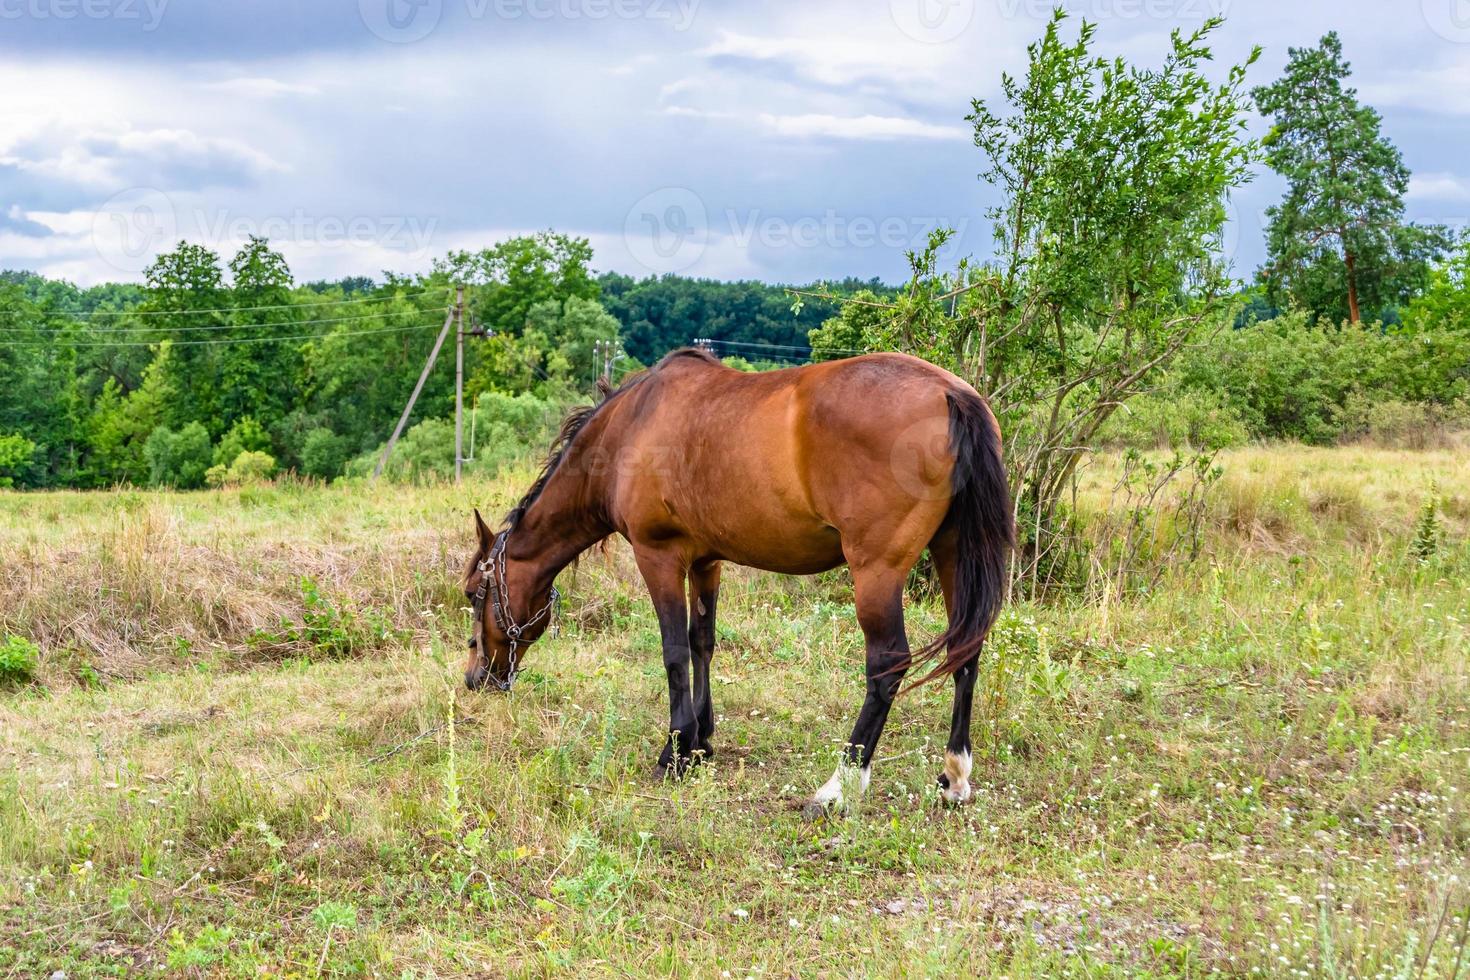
{"x": 251, "y": 309}
{"x": 247, "y": 326}
{"x": 222, "y": 342}
{"x": 812, "y": 350}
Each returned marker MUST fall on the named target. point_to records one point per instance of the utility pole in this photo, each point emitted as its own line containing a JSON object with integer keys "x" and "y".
{"x": 458, "y": 381}
{"x": 614, "y": 354}
{"x": 423, "y": 376}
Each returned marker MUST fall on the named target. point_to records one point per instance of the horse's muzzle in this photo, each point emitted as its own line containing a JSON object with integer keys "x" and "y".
{"x": 480, "y": 677}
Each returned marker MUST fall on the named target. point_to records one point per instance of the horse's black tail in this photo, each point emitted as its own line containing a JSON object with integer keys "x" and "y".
{"x": 981, "y": 521}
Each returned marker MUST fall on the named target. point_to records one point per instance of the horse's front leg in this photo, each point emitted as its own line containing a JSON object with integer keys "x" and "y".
{"x": 664, "y": 572}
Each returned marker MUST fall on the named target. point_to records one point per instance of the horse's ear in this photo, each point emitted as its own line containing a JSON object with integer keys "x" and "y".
{"x": 487, "y": 538}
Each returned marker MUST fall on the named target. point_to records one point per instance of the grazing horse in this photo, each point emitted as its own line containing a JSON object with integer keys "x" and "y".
{"x": 866, "y": 461}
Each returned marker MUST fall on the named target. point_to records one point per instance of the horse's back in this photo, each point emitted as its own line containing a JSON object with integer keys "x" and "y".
{"x": 815, "y": 451}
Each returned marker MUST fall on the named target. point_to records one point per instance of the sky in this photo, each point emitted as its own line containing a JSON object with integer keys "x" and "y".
{"x": 781, "y": 140}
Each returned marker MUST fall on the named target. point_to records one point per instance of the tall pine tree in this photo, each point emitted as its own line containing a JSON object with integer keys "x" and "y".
{"x": 1338, "y": 243}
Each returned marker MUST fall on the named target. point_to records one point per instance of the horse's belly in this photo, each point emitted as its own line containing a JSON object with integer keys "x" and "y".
{"x": 800, "y": 551}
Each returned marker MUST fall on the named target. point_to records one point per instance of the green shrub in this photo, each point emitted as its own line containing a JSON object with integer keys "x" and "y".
{"x": 177, "y": 459}
{"x": 248, "y": 467}
{"x": 1176, "y": 419}
{"x": 1409, "y": 425}
{"x": 15, "y": 454}
{"x": 324, "y": 454}
{"x": 246, "y": 435}
{"x": 1287, "y": 379}
{"x": 505, "y": 428}
{"x": 18, "y": 660}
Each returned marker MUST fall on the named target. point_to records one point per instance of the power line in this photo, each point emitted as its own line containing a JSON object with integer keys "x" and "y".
{"x": 247, "y": 326}
{"x": 252, "y": 309}
{"x": 224, "y": 342}
{"x": 810, "y": 350}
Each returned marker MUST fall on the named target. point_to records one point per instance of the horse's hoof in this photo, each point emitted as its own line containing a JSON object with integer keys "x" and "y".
{"x": 955, "y": 794}
{"x": 814, "y": 811}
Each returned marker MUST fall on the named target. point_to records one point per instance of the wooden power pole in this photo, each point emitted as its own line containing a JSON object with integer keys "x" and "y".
{"x": 449, "y": 321}
{"x": 458, "y": 381}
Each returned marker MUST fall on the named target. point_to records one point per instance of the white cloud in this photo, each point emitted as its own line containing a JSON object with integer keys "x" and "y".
{"x": 829, "y": 59}
{"x": 1439, "y": 187}
{"x": 869, "y": 127}
{"x": 261, "y": 88}
{"x": 1442, "y": 89}
{"x": 633, "y": 65}
{"x": 112, "y": 158}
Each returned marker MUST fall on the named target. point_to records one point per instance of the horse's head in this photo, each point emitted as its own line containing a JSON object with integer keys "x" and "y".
{"x": 510, "y": 612}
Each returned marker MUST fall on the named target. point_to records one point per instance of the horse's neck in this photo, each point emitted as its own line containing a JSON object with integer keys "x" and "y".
{"x": 566, "y": 518}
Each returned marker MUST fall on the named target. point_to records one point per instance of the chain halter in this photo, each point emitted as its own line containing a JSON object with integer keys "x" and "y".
{"x": 492, "y": 583}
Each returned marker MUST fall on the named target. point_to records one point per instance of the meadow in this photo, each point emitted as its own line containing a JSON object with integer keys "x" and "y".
{"x": 234, "y": 742}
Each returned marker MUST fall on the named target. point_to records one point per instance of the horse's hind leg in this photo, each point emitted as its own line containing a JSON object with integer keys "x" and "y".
{"x": 704, "y": 592}
{"x": 954, "y": 781}
{"x": 879, "y": 595}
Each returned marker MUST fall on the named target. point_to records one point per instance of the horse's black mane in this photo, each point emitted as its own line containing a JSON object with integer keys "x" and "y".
{"x": 577, "y": 420}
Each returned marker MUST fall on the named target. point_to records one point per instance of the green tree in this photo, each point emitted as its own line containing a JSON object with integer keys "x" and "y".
{"x": 860, "y": 318}
{"x": 1446, "y": 301}
{"x": 1338, "y": 243}
{"x": 178, "y": 459}
{"x": 246, "y": 435}
{"x": 185, "y": 290}
{"x": 15, "y": 455}
{"x": 261, "y": 379}
{"x": 121, "y": 423}
{"x": 324, "y": 453}
{"x": 519, "y": 273}
{"x": 1114, "y": 181}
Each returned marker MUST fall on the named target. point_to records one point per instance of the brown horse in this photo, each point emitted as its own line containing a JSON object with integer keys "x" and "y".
{"x": 866, "y": 461}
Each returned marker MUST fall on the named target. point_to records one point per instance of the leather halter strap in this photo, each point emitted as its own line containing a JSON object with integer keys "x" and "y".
{"x": 493, "y": 587}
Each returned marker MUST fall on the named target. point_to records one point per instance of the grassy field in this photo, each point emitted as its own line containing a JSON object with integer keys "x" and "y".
{"x": 245, "y": 751}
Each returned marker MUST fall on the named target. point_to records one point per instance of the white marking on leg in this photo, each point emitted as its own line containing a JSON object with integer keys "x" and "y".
{"x": 845, "y": 775}
{"x": 957, "y": 771}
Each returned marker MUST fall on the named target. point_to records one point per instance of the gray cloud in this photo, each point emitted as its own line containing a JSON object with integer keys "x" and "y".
{"x": 515, "y": 115}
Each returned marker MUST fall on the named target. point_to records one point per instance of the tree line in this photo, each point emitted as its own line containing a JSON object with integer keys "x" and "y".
{"x": 170, "y": 381}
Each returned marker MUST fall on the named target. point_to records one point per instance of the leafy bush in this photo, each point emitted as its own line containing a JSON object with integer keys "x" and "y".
{"x": 246, "y": 435}
{"x": 177, "y": 459}
{"x": 1176, "y": 419}
{"x": 1408, "y": 425}
{"x": 15, "y": 453}
{"x": 248, "y": 467}
{"x": 18, "y": 660}
{"x": 324, "y": 454}
{"x": 1287, "y": 379}
{"x": 506, "y": 428}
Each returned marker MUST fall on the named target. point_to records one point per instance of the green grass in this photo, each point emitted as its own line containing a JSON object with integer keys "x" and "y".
{"x": 245, "y": 751}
